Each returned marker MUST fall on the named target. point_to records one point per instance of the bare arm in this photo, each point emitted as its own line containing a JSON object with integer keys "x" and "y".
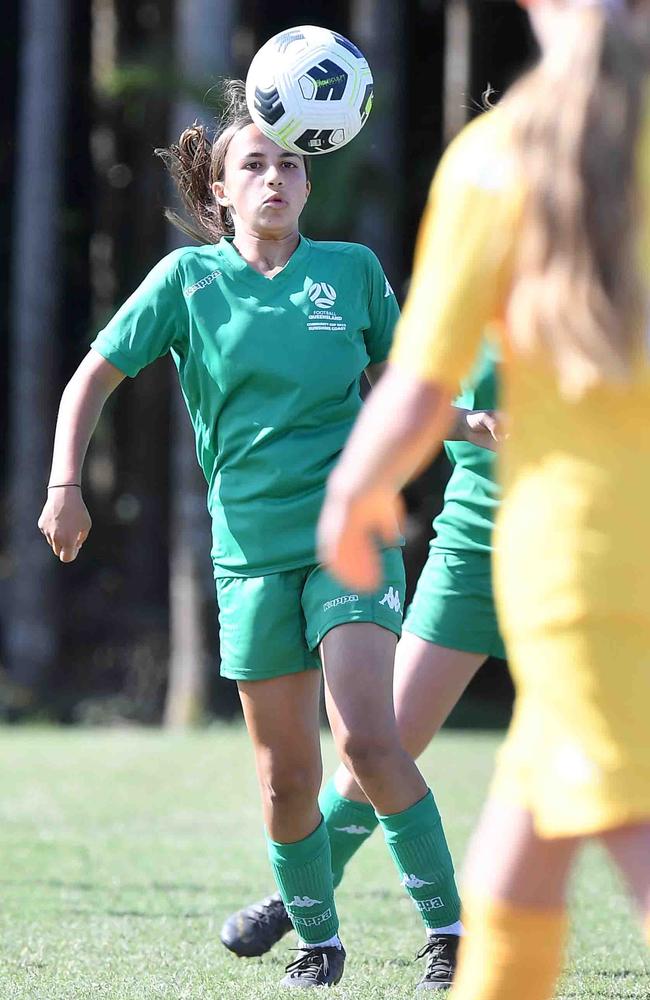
{"x": 64, "y": 520}
{"x": 399, "y": 429}
{"x": 484, "y": 428}
{"x": 375, "y": 372}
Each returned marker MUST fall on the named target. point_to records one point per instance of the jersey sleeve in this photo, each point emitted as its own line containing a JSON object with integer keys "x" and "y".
{"x": 463, "y": 260}
{"x": 383, "y": 312}
{"x": 151, "y": 320}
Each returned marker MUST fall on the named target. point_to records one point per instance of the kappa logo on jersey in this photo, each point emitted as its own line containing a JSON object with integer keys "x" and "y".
{"x": 202, "y": 283}
{"x": 413, "y": 882}
{"x": 389, "y": 290}
{"x": 322, "y": 294}
{"x": 304, "y": 901}
{"x": 346, "y": 599}
{"x": 354, "y": 831}
{"x": 391, "y": 598}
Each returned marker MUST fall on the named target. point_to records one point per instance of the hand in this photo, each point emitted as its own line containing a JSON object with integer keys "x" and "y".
{"x": 485, "y": 428}
{"x": 351, "y": 531}
{"x": 65, "y": 521}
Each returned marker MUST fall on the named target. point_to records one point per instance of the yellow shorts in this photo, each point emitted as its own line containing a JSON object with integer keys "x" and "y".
{"x": 577, "y": 754}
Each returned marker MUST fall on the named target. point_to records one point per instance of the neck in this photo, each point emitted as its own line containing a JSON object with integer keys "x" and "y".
{"x": 267, "y": 254}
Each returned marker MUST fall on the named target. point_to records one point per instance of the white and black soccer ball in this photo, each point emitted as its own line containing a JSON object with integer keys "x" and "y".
{"x": 309, "y": 89}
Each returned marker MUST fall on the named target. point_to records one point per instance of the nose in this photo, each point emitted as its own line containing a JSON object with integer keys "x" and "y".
{"x": 273, "y": 176}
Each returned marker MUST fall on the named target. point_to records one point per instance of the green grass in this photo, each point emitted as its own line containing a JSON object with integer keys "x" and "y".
{"x": 123, "y": 850}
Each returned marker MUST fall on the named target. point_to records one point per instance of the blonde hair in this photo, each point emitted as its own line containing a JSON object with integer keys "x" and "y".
{"x": 578, "y": 296}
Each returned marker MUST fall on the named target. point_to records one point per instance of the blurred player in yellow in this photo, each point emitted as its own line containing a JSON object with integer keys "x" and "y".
{"x": 538, "y": 223}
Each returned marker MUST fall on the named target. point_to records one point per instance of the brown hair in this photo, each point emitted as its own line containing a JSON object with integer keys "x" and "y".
{"x": 578, "y": 294}
{"x": 196, "y": 161}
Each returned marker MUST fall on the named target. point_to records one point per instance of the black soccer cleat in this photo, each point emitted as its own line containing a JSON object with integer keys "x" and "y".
{"x": 441, "y": 953}
{"x": 315, "y": 966}
{"x": 254, "y": 930}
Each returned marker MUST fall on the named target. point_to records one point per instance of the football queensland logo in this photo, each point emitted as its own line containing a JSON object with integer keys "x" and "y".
{"x": 322, "y": 294}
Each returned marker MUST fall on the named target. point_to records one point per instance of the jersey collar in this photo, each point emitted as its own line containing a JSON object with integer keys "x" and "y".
{"x": 237, "y": 263}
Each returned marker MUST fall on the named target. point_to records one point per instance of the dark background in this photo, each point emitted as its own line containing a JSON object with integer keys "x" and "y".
{"x": 90, "y": 88}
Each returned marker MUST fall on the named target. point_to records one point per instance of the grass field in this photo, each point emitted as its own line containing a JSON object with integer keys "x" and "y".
{"x": 123, "y": 850}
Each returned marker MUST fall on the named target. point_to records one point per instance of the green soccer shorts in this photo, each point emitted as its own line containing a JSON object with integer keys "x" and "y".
{"x": 272, "y": 625}
{"x": 453, "y": 604}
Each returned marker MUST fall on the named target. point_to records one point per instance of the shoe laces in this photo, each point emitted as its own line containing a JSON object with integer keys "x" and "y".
{"x": 435, "y": 951}
{"x": 309, "y": 962}
{"x": 267, "y": 910}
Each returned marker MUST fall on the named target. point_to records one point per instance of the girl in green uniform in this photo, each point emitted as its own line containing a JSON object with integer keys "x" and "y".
{"x": 449, "y": 631}
{"x": 271, "y": 334}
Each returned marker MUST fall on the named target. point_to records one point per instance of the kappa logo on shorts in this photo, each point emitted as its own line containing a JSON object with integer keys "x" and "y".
{"x": 346, "y": 599}
{"x": 391, "y": 598}
{"x": 388, "y": 291}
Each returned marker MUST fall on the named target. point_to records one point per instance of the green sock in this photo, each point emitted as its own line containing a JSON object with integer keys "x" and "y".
{"x": 417, "y": 842}
{"x": 349, "y": 825}
{"x": 303, "y": 872}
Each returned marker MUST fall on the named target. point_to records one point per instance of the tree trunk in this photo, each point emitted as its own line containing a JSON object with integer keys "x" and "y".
{"x": 203, "y": 32}
{"x": 378, "y": 28}
{"x": 31, "y": 625}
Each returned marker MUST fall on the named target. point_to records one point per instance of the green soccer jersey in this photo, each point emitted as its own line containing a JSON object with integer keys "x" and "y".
{"x": 270, "y": 369}
{"x": 472, "y": 496}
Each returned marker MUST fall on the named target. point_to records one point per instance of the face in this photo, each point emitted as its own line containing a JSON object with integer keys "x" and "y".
{"x": 264, "y": 186}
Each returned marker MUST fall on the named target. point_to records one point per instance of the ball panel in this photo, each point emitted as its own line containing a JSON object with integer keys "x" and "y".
{"x": 309, "y": 89}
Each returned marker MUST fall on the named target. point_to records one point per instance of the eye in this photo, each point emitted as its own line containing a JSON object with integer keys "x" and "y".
{"x": 252, "y": 165}
{"x": 289, "y": 163}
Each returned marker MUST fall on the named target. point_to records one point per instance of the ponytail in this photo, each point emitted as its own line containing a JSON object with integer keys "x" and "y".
{"x": 578, "y": 295}
{"x": 196, "y": 161}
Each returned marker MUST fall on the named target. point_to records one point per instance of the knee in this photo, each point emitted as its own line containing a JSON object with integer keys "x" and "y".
{"x": 287, "y": 787}
{"x": 368, "y": 753}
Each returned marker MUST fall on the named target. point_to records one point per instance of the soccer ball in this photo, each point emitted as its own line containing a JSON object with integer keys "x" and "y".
{"x": 309, "y": 89}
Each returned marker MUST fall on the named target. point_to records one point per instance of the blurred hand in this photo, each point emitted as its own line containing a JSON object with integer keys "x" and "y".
{"x": 65, "y": 521}
{"x": 485, "y": 428}
{"x": 351, "y": 533}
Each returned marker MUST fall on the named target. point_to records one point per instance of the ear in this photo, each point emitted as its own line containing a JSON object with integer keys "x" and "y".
{"x": 308, "y": 186}
{"x": 219, "y": 192}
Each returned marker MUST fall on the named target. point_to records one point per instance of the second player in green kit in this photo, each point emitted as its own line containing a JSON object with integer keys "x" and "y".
{"x": 449, "y": 631}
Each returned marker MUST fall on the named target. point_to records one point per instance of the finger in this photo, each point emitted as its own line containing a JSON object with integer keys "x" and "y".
{"x": 67, "y": 555}
{"x": 358, "y": 568}
{"x": 389, "y": 527}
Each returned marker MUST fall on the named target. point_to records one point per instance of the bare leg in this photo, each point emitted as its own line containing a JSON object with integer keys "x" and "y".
{"x": 629, "y": 846}
{"x": 358, "y": 667}
{"x": 507, "y": 860}
{"x": 429, "y": 680}
{"x": 515, "y": 886}
{"x": 282, "y": 717}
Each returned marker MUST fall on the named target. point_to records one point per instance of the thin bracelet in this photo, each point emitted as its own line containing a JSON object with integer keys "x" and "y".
{"x": 58, "y": 486}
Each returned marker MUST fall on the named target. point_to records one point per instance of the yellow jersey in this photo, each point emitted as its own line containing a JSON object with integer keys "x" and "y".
{"x": 572, "y": 543}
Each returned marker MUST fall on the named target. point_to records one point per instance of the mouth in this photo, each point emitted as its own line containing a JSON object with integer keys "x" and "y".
{"x": 276, "y": 201}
